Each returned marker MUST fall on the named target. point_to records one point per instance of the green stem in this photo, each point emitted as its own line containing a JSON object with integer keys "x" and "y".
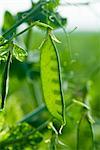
{"x": 20, "y": 33}
{"x": 12, "y": 29}
{"x": 34, "y": 113}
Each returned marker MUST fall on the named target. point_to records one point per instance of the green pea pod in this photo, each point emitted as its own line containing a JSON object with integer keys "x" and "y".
{"x": 5, "y": 79}
{"x": 51, "y": 79}
{"x": 85, "y": 134}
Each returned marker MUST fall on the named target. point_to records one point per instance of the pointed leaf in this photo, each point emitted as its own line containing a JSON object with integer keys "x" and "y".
{"x": 19, "y": 53}
{"x": 51, "y": 80}
{"x": 9, "y": 20}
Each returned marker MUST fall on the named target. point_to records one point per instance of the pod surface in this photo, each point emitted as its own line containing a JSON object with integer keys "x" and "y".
{"x": 51, "y": 79}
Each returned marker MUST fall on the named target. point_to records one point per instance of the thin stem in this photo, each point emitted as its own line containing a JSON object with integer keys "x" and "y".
{"x": 75, "y": 4}
{"x": 20, "y": 33}
{"x": 34, "y": 113}
{"x": 12, "y": 29}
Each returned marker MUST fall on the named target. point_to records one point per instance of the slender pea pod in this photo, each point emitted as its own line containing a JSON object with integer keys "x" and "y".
{"x": 18, "y": 53}
{"x": 51, "y": 79}
{"x": 5, "y": 79}
{"x": 85, "y": 134}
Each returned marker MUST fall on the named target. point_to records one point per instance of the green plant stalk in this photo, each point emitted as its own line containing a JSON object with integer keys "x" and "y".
{"x": 11, "y": 30}
{"x": 33, "y": 114}
{"x": 36, "y": 23}
{"x": 37, "y": 111}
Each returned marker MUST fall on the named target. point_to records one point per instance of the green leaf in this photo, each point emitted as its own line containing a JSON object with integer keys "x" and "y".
{"x": 85, "y": 134}
{"x": 2, "y": 39}
{"x": 53, "y": 18}
{"x": 52, "y": 4}
{"x": 5, "y": 79}
{"x": 3, "y": 49}
{"x": 21, "y": 136}
{"x": 8, "y": 22}
{"x": 51, "y": 80}
{"x": 19, "y": 53}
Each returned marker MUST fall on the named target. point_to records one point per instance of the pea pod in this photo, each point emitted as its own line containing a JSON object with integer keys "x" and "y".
{"x": 51, "y": 79}
{"x": 5, "y": 79}
{"x": 85, "y": 134}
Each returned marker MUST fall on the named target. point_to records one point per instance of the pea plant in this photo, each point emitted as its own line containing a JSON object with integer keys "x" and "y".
{"x": 59, "y": 119}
